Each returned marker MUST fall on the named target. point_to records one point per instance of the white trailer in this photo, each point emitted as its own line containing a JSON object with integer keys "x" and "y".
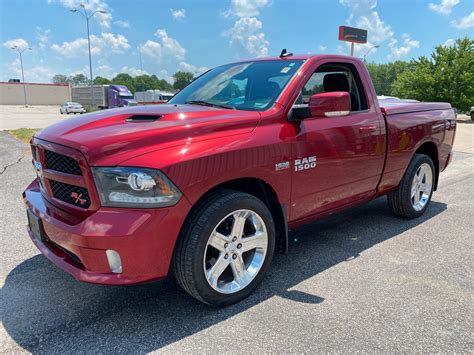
{"x": 151, "y": 97}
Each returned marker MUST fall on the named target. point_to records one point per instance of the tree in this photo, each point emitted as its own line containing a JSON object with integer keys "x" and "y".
{"x": 448, "y": 75}
{"x": 79, "y": 80}
{"x": 181, "y": 79}
{"x": 125, "y": 79}
{"x": 60, "y": 79}
{"x": 101, "y": 81}
{"x": 384, "y": 75}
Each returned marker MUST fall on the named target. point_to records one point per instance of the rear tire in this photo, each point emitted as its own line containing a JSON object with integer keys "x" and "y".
{"x": 413, "y": 195}
{"x": 225, "y": 248}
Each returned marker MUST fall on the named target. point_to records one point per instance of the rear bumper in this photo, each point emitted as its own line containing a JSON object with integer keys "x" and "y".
{"x": 76, "y": 110}
{"x": 144, "y": 239}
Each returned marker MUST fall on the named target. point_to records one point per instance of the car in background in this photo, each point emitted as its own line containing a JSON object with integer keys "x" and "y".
{"x": 71, "y": 107}
{"x": 472, "y": 113}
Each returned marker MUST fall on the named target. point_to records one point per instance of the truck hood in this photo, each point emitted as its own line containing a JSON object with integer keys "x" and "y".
{"x": 109, "y": 137}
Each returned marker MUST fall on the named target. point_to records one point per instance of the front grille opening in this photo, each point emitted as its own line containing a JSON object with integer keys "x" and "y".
{"x": 61, "y": 163}
{"x": 73, "y": 257}
{"x": 74, "y": 195}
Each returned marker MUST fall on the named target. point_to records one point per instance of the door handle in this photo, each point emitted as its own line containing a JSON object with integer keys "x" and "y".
{"x": 368, "y": 129}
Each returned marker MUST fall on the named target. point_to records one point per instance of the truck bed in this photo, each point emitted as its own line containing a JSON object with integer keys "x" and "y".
{"x": 397, "y": 107}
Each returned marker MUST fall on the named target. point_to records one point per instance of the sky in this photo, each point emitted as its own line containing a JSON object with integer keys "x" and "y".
{"x": 197, "y": 35}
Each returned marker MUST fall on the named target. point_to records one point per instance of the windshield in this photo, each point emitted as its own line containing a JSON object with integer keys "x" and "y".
{"x": 250, "y": 86}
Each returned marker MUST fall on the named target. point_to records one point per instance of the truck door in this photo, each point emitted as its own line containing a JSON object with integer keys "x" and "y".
{"x": 337, "y": 160}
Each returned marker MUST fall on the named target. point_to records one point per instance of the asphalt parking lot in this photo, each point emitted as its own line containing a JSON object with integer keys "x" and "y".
{"x": 13, "y": 117}
{"x": 362, "y": 280}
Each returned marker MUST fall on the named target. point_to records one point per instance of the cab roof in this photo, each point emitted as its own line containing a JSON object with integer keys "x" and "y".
{"x": 299, "y": 57}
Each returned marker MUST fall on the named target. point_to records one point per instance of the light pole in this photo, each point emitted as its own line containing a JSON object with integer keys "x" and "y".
{"x": 88, "y": 16}
{"x": 141, "y": 64}
{"x": 370, "y": 49}
{"x": 20, "y": 52}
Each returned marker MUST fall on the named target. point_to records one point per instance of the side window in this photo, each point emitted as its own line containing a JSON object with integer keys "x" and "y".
{"x": 336, "y": 77}
{"x": 313, "y": 86}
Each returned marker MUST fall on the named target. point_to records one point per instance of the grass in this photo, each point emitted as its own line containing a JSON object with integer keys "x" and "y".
{"x": 23, "y": 134}
{"x": 89, "y": 108}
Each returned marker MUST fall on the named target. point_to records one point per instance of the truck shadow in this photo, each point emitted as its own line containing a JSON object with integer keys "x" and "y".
{"x": 45, "y": 310}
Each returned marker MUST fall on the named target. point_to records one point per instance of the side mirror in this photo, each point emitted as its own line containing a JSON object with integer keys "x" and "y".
{"x": 330, "y": 104}
{"x": 325, "y": 104}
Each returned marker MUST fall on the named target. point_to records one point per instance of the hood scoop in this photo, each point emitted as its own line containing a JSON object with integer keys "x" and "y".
{"x": 144, "y": 118}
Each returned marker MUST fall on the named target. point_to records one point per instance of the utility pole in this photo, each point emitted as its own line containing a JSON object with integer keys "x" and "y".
{"x": 88, "y": 16}
{"x": 140, "y": 55}
{"x": 20, "y": 52}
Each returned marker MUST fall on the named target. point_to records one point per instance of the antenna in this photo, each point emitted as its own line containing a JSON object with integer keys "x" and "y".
{"x": 285, "y": 54}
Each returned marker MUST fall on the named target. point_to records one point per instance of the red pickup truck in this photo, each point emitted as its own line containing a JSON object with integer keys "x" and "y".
{"x": 207, "y": 186}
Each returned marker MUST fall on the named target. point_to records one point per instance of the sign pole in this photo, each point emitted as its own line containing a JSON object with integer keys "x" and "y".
{"x": 352, "y": 49}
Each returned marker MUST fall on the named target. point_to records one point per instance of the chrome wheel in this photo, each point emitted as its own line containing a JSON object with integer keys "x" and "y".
{"x": 235, "y": 251}
{"x": 421, "y": 187}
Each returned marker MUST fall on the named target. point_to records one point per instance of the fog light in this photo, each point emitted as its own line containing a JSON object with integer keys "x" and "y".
{"x": 115, "y": 263}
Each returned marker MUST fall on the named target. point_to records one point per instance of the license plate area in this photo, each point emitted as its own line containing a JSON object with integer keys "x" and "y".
{"x": 35, "y": 225}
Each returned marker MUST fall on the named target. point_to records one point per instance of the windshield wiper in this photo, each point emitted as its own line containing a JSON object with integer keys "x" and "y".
{"x": 205, "y": 103}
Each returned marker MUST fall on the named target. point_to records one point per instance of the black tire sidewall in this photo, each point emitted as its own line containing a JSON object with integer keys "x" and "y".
{"x": 202, "y": 234}
{"x": 417, "y": 161}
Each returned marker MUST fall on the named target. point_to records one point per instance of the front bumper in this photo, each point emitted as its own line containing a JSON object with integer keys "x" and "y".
{"x": 144, "y": 239}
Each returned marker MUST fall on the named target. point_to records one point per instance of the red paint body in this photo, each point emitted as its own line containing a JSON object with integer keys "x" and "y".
{"x": 359, "y": 157}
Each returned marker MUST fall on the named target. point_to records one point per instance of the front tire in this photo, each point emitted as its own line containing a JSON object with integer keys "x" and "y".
{"x": 225, "y": 248}
{"x": 413, "y": 195}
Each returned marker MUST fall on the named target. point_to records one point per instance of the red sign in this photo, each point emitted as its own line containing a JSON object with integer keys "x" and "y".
{"x": 351, "y": 34}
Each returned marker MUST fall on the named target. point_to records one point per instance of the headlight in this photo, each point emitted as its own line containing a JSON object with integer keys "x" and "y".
{"x": 134, "y": 187}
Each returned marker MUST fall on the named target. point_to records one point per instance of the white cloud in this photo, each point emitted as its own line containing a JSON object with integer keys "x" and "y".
{"x": 246, "y": 35}
{"x": 449, "y": 43}
{"x": 103, "y": 68}
{"x": 465, "y": 22}
{"x": 166, "y": 49}
{"x": 37, "y": 73}
{"x": 133, "y": 71}
{"x": 322, "y": 48}
{"x": 20, "y": 43}
{"x": 403, "y": 50}
{"x": 91, "y": 6}
{"x": 363, "y": 14}
{"x": 444, "y": 7}
{"x": 178, "y": 14}
{"x": 169, "y": 54}
{"x": 246, "y": 8}
{"x": 104, "y": 43}
{"x": 43, "y": 36}
{"x": 122, "y": 24}
{"x": 192, "y": 68}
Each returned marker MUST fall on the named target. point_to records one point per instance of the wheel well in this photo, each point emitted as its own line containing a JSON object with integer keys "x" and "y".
{"x": 265, "y": 193}
{"x": 429, "y": 149}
